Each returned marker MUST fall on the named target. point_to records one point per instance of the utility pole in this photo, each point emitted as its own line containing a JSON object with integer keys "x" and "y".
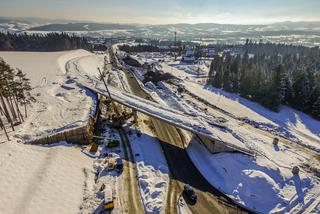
{"x": 175, "y": 45}
{"x": 102, "y": 75}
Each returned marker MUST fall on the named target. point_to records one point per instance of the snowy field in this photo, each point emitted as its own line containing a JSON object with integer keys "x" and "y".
{"x": 42, "y": 179}
{"x": 60, "y": 105}
{"x": 46, "y": 179}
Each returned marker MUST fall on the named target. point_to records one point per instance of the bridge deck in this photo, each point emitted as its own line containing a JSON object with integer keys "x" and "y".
{"x": 191, "y": 123}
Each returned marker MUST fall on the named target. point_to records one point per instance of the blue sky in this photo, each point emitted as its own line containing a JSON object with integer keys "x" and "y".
{"x": 166, "y": 11}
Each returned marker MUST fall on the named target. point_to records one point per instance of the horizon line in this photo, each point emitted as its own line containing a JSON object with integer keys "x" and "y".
{"x": 139, "y": 23}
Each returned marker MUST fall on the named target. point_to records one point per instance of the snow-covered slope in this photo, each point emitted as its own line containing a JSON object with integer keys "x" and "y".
{"x": 290, "y": 123}
{"x": 259, "y": 183}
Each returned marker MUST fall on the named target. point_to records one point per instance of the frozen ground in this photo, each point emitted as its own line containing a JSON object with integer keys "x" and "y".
{"x": 259, "y": 183}
{"x": 60, "y": 104}
{"x": 42, "y": 179}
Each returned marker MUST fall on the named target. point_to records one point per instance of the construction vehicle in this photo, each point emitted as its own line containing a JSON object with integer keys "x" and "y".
{"x": 94, "y": 148}
{"x": 109, "y": 164}
{"x": 108, "y": 203}
{"x": 113, "y": 143}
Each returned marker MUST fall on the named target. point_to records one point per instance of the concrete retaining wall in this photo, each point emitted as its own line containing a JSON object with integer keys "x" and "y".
{"x": 81, "y": 135}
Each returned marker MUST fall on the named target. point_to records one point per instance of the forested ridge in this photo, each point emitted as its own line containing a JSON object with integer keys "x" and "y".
{"x": 271, "y": 74}
{"x": 42, "y": 42}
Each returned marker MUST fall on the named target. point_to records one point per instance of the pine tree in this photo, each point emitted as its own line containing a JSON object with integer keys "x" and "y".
{"x": 316, "y": 108}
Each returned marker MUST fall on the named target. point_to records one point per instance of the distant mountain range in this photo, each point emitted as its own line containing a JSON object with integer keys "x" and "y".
{"x": 212, "y": 27}
{"x": 184, "y": 31}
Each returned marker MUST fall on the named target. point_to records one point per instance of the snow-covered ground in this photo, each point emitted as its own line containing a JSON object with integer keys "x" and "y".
{"x": 56, "y": 178}
{"x": 293, "y": 124}
{"x": 148, "y": 57}
{"x": 259, "y": 183}
{"x": 61, "y": 174}
{"x": 60, "y": 105}
{"x": 42, "y": 179}
{"x": 152, "y": 168}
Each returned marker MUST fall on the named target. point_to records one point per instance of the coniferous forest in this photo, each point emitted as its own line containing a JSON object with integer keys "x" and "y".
{"x": 271, "y": 74}
{"x": 42, "y": 42}
{"x": 15, "y": 95}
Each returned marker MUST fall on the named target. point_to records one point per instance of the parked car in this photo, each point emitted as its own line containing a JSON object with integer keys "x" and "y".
{"x": 190, "y": 194}
{"x": 113, "y": 155}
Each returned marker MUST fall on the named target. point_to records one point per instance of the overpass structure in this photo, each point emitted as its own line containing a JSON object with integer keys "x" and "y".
{"x": 214, "y": 133}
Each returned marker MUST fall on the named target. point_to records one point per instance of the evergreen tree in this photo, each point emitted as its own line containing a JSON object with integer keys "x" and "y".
{"x": 316, "y": 108}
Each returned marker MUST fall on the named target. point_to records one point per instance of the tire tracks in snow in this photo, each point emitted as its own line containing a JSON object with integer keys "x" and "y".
{"x": 134, "y": 202}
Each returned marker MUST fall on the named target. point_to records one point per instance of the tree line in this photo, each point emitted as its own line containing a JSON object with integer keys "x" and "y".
{"x": 271, "y": 74}
{"x": 139, "y": 48}
{"x": 14, "y": 94}
{"x": 42, "y": 42}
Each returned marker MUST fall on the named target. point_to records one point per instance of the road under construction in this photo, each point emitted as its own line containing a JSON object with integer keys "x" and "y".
{"x": 182, "y": 169}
